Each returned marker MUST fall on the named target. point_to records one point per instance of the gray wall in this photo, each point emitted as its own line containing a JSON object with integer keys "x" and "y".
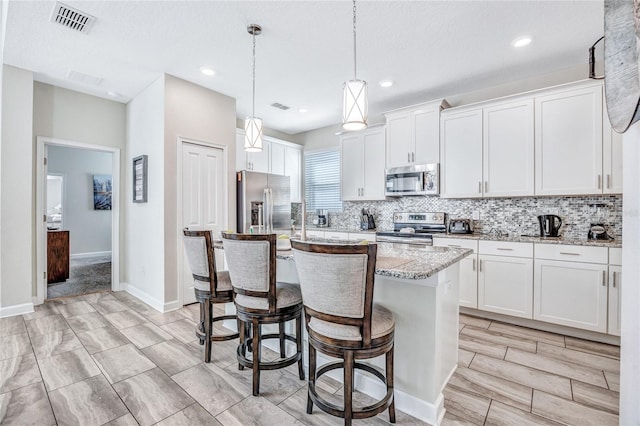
{"x": 89, "y": 229}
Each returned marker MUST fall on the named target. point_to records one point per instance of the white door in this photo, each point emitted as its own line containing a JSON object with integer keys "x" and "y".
{"x": 351, "y": 164}
{"x": 278, "y": 159}
{"x": 468, "y": 270}
{"x": 426, "y": 132}
{"x": 611, "y": 158}
{"x": 401, "y": 139}
{"x": 374, "y": 157}
{"x": 203, "y": 200}
{"x": 615, "y": 280}
{"x": 293, "y": 169}
{"x": 461, "y": 152}
{"x": 505, "y": 285}
{"x": 260, "y": 161}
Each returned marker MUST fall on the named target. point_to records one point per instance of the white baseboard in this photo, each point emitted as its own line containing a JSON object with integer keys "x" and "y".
{"x": 89, "y": 255}
{"x": 156, "y": 304}
{"x": 11, "y": 311}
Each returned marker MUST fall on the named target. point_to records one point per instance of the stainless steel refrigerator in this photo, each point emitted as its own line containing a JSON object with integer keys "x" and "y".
{"x": 264, "y": 203}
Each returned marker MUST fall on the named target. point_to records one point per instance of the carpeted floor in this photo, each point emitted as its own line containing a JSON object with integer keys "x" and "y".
{"x": 87, "y": 275}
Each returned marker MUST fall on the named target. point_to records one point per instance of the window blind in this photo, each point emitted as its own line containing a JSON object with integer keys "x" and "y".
{"x": 322, "y": 180}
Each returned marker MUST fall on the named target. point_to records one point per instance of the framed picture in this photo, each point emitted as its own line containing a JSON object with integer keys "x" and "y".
{"x": 140, "y": 179}
{"x": 102, "y": 192}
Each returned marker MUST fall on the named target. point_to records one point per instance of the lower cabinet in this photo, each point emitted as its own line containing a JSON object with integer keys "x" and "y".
{"x": 505, "y": 285}
{"x": 468, "y": 279}
{"x": 571, "y": 293}
{"x": 615, "y": 280}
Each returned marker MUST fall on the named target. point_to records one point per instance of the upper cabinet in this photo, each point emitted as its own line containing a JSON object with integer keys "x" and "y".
{"x": 413, "y": 134}
{"x": 461, "y": 154}
{"x": 569, "y": 142}
{"x": 277, "y": 157}
{"x": 362, "y": 158}
{"x": 611, "y": 157}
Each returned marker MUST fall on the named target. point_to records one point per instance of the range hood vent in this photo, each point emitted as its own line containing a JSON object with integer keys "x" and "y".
{"x": 72, "y": 18}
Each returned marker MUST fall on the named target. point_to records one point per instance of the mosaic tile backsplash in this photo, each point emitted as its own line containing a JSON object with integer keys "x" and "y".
{"x": 517, "y": 216}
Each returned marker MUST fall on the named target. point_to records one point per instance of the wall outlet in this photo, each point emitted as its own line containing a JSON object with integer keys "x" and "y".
{"x": 475, "y": 215}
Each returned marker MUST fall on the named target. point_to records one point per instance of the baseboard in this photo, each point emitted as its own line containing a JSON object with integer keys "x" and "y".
{"x": 156, "y": 304}
{"x": 11, "y": 311}
{"x": 89, "y": 255}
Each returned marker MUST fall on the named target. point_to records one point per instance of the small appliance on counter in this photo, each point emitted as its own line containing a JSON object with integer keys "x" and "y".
{"x": 597, "y": 228}
{"x": 323, "y": 218}
{"x": 460, "y": 226}
{"x": 549, "y": 225}
{"x": 367, "y": 221}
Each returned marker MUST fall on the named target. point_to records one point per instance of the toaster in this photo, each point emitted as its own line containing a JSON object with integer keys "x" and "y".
{"x": 460, "y": 226}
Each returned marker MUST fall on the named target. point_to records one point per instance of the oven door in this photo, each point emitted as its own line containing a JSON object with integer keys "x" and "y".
{"x": 404, "y": 181}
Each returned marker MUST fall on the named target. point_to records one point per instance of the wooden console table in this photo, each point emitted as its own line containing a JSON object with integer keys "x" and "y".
{"x": 57, "y": 256}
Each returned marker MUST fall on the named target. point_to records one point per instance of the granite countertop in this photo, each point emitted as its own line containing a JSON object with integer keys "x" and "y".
{"x": 616, "y": 243}
{"x": 327, "y": 229}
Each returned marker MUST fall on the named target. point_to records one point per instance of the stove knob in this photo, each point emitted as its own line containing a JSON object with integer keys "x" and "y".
{"x": 397, "y": 217}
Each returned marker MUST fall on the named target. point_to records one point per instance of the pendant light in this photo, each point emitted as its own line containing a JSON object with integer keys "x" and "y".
{"x": 354, "y": 100}
{"x": 253, "y": 124}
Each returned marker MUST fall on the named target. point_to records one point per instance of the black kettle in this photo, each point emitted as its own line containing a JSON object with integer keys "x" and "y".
{"x": 549, "y": 225}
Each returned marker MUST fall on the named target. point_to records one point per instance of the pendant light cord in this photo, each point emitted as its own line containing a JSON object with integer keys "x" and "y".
{"x": 253, "y": 108}
{"x": 354, "y": 41}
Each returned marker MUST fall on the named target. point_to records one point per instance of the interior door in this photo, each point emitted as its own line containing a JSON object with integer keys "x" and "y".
{"x": 203, "y": 200}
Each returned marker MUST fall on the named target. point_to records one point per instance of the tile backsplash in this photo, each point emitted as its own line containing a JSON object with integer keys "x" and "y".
{"x": 517, "y": 216}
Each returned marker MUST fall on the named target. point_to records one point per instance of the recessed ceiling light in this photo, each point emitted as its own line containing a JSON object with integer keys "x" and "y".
{"x": 385, "y": 83}
{"x": 207, "y": 71}
{"x": 303, "y": 110}
{"x": 521, "y": 41}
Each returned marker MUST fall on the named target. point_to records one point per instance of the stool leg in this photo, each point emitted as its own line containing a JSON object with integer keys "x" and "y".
{"x": 242, "y": 342}
{"x": 299, "y": 347}
{"x": 348, "y": 387}
{"x": 256, "y": 357}
{"x": 389, "y": 368}
{"x": 312, "y": 376}
{"x": 283, "y": 349}
{"x": 201, "y": 323}
{"x": 207, "y": 330}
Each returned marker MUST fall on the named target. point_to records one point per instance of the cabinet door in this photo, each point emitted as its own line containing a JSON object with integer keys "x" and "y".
{"x": 401, "y": 139}
{"x": 611, "y": 158}
{"x": 374, "y": 156}
{"x": 260, "y": 161}
{"x": 568, "y": 142}
{"x": 505, "y": 285}
{"x": 293, "y": 169}
{"x": 277, "y": 159}
{"x": 615, "y": 280}
{"x": 461, "y": 150}
{"x": 468, "y": 270}
{"x": 241, "y": 154}
{"x": 351, "y": 166}
{"x": 572, "y": 294}
{"x": 426, "y": 130}
{"x": 508, "y": 150}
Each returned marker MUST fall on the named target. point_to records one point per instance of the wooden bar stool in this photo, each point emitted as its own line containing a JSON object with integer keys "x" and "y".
{"x": 261, "y": 300}
{"x": 343, "y": 322}
{"x": 210, "y": 286}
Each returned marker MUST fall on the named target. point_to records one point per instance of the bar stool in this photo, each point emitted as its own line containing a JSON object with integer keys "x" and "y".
{"x": 343, "y": 322}
{"x": 261, "y": 300}
{"x": 210, "y": 286}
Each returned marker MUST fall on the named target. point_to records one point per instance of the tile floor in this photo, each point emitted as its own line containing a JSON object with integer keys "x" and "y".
{"x": 108, "y": 358}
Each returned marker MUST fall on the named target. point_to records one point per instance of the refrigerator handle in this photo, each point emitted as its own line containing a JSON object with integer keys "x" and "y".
{"x": 265, "y": 210}
{"x": 270, "y": 210}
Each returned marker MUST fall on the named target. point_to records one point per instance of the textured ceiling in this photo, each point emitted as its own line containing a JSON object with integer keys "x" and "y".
{"x": 428, "y": 48}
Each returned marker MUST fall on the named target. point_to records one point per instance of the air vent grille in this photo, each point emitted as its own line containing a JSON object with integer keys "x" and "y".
{"x": 280, "y": 106}
{"x": 72, "y": 18}
{"x": 83, "y": 78}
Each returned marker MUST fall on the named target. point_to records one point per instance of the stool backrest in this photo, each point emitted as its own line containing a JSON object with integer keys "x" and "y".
{"x": 251, "y": 259}
{"x": 201, "y": 258}
{"x": 336, "y": 282}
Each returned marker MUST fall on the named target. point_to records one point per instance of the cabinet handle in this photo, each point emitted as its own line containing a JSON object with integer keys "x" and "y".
{"x": 454, "y": 245}
{"x": 599, "y": 181}
{"x": 608, "y": 181}
{"x": 614, "y": 279}
{"x": 413, "y": 157}
{"x": 408, "y": 157}
{"x": 480, "y": 187}
{"x": 569, "y": 254}
{"x": 604, "y": 278}
{"x": 486, "y": 186}
{"x": 504, "y": 249}
{"x": 480, "y": 265}
{"x": 474, "y": 265}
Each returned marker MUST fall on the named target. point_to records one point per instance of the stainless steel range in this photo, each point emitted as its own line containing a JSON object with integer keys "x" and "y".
{"x": 414, "y": 228}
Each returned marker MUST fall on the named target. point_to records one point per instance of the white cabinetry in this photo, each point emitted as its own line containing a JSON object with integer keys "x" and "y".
{"x": 571, "y": 293}
{"x": 293, "y": 169}
{"x": 461, "y": 154}
{"x": 252, "y": 161}
{"x": 615, "y": 281}
{"x": 413, "y": 134}
{"x": 362, "y": 158}
{"x": 505, "y": 280}
{"x": 277, "y": 159}
{"x": 468, "y": 269}
{"x": 568, "y": 132}
{"x": 611, "y": 158}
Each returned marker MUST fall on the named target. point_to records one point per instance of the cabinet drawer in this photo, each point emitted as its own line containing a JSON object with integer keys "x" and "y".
{"x": 572, "y": 253}
{"x": 332, "y": 235}
{"x": 615, "y": 256}
{"x": 501, "y": 248}
{"x": 362, "y": 236}
{"x": 315, "y": 234}
{"x": 456, "y": 243}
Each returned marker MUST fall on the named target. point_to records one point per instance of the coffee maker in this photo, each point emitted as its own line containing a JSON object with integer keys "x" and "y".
{"x": 323, "y": 217}
{"x": 599, "y": 217}
{"x": 549, "y": 225}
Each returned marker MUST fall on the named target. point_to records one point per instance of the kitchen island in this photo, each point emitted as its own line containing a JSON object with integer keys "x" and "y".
{"x": 419, "y": 284}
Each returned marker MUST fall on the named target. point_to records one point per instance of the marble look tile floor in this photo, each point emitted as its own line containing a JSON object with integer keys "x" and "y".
{"x": 110, "y": 359}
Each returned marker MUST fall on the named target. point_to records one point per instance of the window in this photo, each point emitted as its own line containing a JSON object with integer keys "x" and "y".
{"x": 322, "y": 180}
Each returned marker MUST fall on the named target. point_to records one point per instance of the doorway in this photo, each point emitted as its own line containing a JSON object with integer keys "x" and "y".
{"x": 203, "y": 201}
{"x": 77, "y": 193}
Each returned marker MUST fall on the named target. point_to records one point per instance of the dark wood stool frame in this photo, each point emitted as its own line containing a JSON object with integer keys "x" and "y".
{"x": 204, "y": 330}
{"x": 251, "y": 321}
{"x": 349, "y": 350}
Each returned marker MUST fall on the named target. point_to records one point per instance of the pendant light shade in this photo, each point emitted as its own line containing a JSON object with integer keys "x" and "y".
{"x": 253, "y": 124}
{"x": 355, "y": 102}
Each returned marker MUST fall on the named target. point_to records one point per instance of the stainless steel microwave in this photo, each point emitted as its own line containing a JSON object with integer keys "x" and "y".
{"x": 422, "y": 179}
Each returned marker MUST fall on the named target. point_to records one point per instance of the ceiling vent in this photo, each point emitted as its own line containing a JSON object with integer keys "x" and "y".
{"x": 72, "y": 18}
{"x": 280, "y": 106}
{"x": 79, "y": 77}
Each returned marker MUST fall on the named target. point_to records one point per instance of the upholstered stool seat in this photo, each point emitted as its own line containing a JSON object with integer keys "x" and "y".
{"x": 261, "y": 300}
{"x": 337, "y": 283}
{"x": 210, "y": 286}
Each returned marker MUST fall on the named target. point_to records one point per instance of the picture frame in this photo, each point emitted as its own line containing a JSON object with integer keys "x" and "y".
{"x": 140, "y": 179}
